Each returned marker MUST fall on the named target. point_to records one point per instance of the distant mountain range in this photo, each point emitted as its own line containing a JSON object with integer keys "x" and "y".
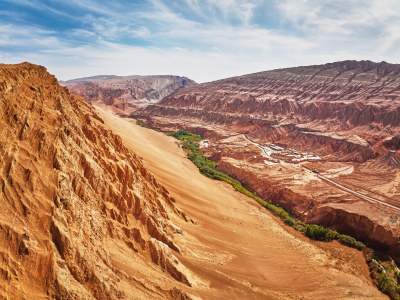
{"x": 126, "y": 93}
{"x": 349, "y": 110}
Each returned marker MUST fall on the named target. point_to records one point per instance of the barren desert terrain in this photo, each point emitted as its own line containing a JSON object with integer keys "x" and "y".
{"x": 199, "y": 150}
{"x": 321, "y": 141}
{"x": 236, "y": 248}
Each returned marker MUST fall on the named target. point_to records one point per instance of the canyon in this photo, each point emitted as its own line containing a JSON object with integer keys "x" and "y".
{"x": 97, "y": 207}
{"x": 322, "y": 141}
{"x": 126, "y": 93}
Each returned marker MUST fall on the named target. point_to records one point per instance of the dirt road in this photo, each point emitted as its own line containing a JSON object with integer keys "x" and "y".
{"x": 362, "y": 196}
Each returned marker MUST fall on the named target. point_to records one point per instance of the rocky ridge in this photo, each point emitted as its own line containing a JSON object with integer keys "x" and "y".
{"x": 126, "y": 93}
{"x": 76, "y": 203}
{"x": 343, "y": 110}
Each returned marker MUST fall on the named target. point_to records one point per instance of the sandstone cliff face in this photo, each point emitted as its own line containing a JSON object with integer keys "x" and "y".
{"x": 352, "y": 106}
{"x": 72, "y": 196}
{"x": 126, "y": 93}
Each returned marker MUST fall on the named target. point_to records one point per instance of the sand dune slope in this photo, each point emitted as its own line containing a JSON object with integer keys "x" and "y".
{"x": 235, "y": 248}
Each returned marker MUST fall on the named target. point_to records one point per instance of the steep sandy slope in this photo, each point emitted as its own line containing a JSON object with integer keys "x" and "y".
{"x": 76, "y": 204}
{"x": 236, "y": 247}
{"x": 126, "y": 93}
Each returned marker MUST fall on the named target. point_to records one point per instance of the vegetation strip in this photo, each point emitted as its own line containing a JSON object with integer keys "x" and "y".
{"x": 209, "y": 168}
{"x": 386, "y": 278}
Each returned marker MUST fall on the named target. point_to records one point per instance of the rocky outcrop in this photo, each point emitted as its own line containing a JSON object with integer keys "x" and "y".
{"x": 71, "y": 195}
{"x": 126, "y": 93}
{"x": 370, "y": 230}
{"x": 391, "y": 160}
{"x": 392, "y": 143}
{"x": 273, "y": 191}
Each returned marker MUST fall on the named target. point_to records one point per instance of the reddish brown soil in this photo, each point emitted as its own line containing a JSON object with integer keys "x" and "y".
{"x": 81, "y": 217}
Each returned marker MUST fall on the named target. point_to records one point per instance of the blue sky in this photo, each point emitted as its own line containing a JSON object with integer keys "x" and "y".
{"x": 204, "y": 40}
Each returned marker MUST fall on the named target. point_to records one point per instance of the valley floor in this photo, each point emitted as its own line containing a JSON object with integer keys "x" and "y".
{"x": 234, "y": 248}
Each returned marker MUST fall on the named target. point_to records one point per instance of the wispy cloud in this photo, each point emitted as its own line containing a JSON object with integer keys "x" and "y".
{"x": 204, "y": 40}
{"x": 369, "y": 21}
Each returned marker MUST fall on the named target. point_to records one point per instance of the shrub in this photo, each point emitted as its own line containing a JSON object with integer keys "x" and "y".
{"x": 388, "y": 287}
{"x": 350, "y": 241}
{"x": 320, "y": 233}
{"x": 143, "y": 124}
{"x": 290, "y": 221}
{"x": 380, "y": 275}
{"x": 397, "y": 276}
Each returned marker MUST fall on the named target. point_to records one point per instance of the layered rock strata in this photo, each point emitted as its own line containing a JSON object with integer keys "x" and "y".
{"x": 345, "y": 110}
{"x": 341, "y": 120}
{"x": 126, "y": 93}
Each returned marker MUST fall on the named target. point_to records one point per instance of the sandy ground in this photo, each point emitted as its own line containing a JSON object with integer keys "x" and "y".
{"x": 332, "y": 173}
{"x": 235, "y": 248}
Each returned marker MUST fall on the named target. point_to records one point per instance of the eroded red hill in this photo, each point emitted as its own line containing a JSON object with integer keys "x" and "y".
{"x": 342, "y": 110}
{"x": 126, "y": 93}
{"x": 336, "y": 122}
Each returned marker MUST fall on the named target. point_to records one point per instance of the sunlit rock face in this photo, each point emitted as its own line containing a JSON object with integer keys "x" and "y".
{"x": 76, "y": 204}
{"x": 345, "y": 109}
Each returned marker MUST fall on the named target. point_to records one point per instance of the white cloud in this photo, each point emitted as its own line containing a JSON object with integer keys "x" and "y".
{"x": 112, "y": 58}
{"x": 19, "y": 36}
{"x": 236, "y": 9}
{"x": 205, "y": 40}
{"x": 339, "y": 18}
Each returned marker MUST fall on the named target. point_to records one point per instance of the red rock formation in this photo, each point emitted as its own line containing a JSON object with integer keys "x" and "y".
{"x": 126, "y": 93}
{"x": 359, "y": 100}
{"x": 345, "y": 112}
{"x": 379, "y": 229}
{"x": 75, "y": 202}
